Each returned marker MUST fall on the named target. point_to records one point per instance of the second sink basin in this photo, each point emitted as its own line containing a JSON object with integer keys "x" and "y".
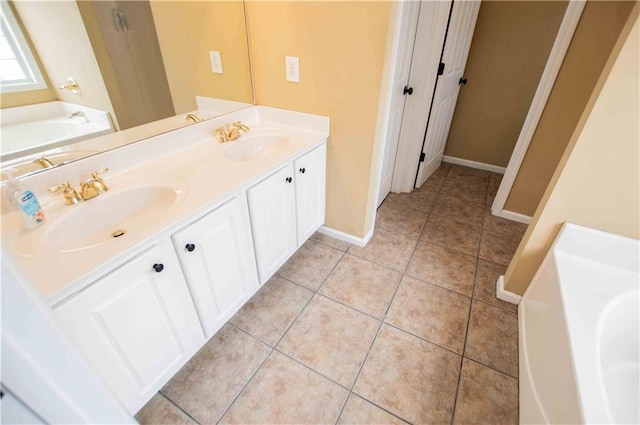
{"x": 254, "y": 144}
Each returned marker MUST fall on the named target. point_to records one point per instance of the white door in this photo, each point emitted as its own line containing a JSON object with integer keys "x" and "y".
{"x": 273, "y": 221}
{"x": 456, "y": 49}
{"x": 427, "y": 51}
{"x": 137, "y": 325}
{"x": 217, "y": 256}
{"x": 403, "y": 45}
{"x": 310, "y": 183}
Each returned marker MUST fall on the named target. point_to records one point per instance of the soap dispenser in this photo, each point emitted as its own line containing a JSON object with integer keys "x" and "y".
{"x": 25, "y": 203}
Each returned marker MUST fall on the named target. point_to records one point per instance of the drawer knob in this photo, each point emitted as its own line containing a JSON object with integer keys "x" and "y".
{"x": 190, "y": 247}
{"x": 302, "y": 170}
{"x": 289, "y": 179}
{"x": 158, "y": 267}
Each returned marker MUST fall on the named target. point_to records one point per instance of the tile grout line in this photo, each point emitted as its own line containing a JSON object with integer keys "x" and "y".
{"x": 264, "y": 361}
{"x": 428, "y": 341}
{"x": 492, "y": 368}
{"x": 250, "y": 334}
{"x": 279, "y": 339}
{"x": 382, "y": 322}
{"x": 290, "y": 357}
{"x": 327, "y": 245}
{"x": 349, "y": 307}
{"x": 466, "y": 334}
{"x": 244, "y": 387}
{"x": 177, "y": 406}
{"x": 495, "y": 306}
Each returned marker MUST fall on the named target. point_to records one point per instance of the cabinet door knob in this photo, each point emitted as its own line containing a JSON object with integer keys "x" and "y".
{"x": 190, "y": 247}
{"x": 302, "y": 170}
{"x": 289, "y": 179}
{"x": 158, "y": 267}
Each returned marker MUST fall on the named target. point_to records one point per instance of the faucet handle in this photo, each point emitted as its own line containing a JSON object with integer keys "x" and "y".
{"x": 243, "y": 127}
{"x": 98, "y": 184}
{"x": 223, "y": 132}
{"x": 95, "y": 173}
{"x": 65, "y": 185}
{"x": 71, "y": 197}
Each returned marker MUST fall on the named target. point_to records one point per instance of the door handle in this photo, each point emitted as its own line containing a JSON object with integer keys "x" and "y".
{"x": 408, "y": 90}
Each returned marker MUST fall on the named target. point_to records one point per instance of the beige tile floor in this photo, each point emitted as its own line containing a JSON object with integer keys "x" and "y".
{"x": 407, "y": 329}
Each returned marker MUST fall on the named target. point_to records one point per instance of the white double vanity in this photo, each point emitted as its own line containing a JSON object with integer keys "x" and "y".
{"x": 141, "y": 276}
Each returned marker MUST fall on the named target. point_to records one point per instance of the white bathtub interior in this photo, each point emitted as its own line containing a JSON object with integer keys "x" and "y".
{"x": 31, "y": 129}
{"x": 578, "y": 320}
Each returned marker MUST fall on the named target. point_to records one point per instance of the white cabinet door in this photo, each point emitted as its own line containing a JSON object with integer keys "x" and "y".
{"x": 273, "y": 220}
{"x": 137, "y": 326}
{"x": 310, "y": 183}
{"x": 218, "y": 260}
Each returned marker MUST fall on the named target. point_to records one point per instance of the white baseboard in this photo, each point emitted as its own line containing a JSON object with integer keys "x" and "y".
{"x": 505, "y": 295}
{"x": 510, "y": 215}
{"x": 520, "y": 218}
{"x": 346, "y": 237}
{"x": 474, "y": 164}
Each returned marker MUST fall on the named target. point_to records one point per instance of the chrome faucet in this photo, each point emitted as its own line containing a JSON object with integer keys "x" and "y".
{"x": 44, "y": 162}
{"x": 193, "y": 118}
{"x": 77, "y": 114}
{"x": 230, "y": 133}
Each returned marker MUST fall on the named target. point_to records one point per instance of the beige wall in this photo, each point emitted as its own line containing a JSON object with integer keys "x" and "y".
{"x": 341, "y": 47}
{"x": 597, "y": 183}
{"x": 187, "y": 31}
{"x": 9, "y": 100}
{"x": 595, "y": 35}
{"x": 59, "y": 36}
{"x": 510, "y": 47}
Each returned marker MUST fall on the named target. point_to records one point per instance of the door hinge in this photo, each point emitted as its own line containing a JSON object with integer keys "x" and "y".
{"x": 441, "y": 68}
{"x": 422, "y": 156}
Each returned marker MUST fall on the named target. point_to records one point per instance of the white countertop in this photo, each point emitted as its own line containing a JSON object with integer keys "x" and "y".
{"x": 208, "y": 179}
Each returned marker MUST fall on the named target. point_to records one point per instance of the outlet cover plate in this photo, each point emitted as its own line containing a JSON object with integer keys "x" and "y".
{"x": 292, "y": 64}
{"x": 216, "y": 62}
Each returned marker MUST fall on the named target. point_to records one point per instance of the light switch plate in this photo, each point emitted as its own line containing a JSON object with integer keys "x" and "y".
{"x": 216, "y": 62}
{"x": 292, "y": 66}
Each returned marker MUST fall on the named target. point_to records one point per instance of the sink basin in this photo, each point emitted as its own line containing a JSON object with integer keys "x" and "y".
{"x": 104, "y": 218}
{"x": 254, "y": 144}
{"x": 130, "y": 206}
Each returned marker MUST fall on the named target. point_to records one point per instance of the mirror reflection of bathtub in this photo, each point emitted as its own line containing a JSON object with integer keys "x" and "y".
{"x": 29, "y": 132}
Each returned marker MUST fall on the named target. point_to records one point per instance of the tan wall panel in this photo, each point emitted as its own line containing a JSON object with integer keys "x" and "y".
{"x": 10, "y": 100}
{"x": 595, "y": 36}
{"x": 187, "y": 31}
{"x": 341, "y": 47}
{"x": 597, "y": 183}
{"x": 510, "y": 47}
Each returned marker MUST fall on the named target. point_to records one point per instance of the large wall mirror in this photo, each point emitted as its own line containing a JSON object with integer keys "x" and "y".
{"x": 142, "y": 63}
